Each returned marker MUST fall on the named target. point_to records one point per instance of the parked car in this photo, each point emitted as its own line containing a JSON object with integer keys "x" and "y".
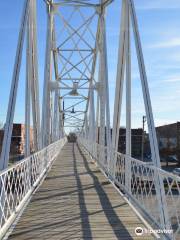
{"x": 148, "y": 156}
{"x": 163, "y": 159}
{"x": 172, "y": 158}
{"x": 176, "y": 171}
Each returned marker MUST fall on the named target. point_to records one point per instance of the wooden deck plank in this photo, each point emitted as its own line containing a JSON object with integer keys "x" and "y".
{"x": 76, "y": 201}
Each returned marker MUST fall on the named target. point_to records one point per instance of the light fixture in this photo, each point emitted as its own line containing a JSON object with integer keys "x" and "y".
{"x": 74, "y": 91}
{"x": 72, "y": 111}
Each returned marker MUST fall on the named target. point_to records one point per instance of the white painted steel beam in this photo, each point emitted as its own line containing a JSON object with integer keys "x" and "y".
{"x": 128, "y": 99}
{"x": 150, "y": 120}
{"x": 27, "y": 95}
{"x": 127, "y": 14}
{"x": 119, "y": 87}
{"x": 46, "y": 107}
{"x": 32, "y": 69}
{"x": 13, "y": 93}
{"x": 106, "y": 84}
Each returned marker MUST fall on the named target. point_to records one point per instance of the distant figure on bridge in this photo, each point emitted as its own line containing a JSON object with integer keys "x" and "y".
{"x": 72, "y": 137}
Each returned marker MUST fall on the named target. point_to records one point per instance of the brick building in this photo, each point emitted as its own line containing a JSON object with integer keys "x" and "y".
{"x": 17, "y": 140}
{"x": 169, "y": 140}
{"x": 136, "y": 141}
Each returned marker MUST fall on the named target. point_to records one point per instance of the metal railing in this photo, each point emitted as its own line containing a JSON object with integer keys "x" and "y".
{"x": 18, "y": 182}
{"x": 138, "y": 180}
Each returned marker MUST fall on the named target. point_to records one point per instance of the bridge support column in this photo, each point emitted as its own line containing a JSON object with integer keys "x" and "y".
{"x": 57, "y": 123}
{"x": 104, "y": 134}
{"x": 46, "y": 108}
{"x": 101, "y": 92}
{"x": 108, "y": 128}
{"x": 119, "y": 88}
{"x": 128, "y": 99}
{"x": 97, "y": 122}
{"x": 97, "y": 119}
{"x": 28, "y": 98}
{"x": 56, "y": 117}
{"x": 123, "y": 61}
{"x": 159, "y": 185}
{"x": 86, "y": 127}
{"x": 13, "y": 94}
{"x": 128, "y": 13}
{"x": 92, "y": 126}
{"x": 32, "y": 86}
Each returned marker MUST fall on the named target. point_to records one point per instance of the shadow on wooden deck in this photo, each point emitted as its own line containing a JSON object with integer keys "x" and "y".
{"x": 76, "y": 201}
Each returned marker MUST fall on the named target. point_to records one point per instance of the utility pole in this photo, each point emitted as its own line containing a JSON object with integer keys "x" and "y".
{"x": 142, "y": 144}
{"x": 63, "y": 114}
{"x": 178, "y": 142}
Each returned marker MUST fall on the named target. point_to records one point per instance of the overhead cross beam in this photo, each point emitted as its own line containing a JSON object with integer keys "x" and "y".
{"x": 75, "y": 55}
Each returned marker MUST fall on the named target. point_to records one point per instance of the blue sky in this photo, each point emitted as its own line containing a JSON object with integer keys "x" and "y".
{"x": 159, "y": 24}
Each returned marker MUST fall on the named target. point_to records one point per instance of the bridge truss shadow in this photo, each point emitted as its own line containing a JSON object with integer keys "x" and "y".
{"x": 75, "y": 201}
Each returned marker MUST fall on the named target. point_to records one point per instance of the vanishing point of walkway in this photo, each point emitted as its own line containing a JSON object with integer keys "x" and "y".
{"x": 76, "y": 201}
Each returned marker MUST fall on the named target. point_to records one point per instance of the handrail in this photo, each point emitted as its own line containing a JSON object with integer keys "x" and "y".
{"x": 142, "y": 189}
{"x": 18, "y": 182}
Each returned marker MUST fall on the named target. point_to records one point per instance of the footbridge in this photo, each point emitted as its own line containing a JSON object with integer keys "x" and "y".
{"x": 85, "y": 188}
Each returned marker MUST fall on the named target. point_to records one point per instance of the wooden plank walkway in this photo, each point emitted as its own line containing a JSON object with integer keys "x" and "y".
{"x": 76, "y": 201}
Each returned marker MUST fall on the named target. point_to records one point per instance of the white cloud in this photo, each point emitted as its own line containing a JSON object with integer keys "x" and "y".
{"x": 164, "y": 105}
{"x": 174, "y": 42}
{"x": 161, "y": 121}
{"x": 157, "y": 4}
{"x": 174, "y": 57}
{"x": 172, "y": 80}
{"x": 168, "y": 79}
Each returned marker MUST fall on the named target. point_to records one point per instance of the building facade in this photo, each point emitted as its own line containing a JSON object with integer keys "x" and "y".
{"x": 136, "y": 141}
{"x": 17, "y": 140}
{"x": 169, "y": 140}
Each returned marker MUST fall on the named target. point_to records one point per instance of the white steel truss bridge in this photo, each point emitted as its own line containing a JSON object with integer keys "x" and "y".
{"x": 86, "y": 189}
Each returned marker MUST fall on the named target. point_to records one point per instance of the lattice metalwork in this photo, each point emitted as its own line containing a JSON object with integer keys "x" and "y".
{"x": 18, "y": 182}
{"x": 75, "y": 33}
{"x": 143, "y": 191}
